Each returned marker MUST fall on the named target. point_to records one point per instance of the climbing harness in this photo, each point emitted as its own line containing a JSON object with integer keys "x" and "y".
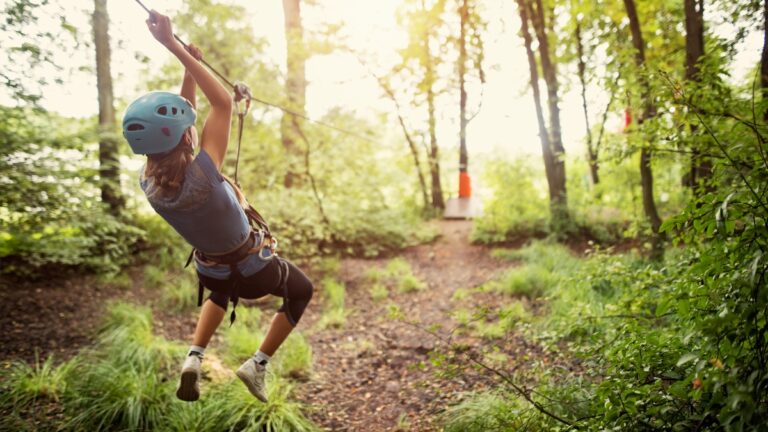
{"x": 267, "y": 242}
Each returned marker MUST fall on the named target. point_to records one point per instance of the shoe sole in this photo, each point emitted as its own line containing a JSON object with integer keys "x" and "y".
{"x": 188, "y": 390}
{"x": 253, "y": 391}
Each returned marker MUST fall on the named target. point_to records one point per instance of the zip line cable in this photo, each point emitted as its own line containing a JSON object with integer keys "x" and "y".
{"x": 239, "y": 88}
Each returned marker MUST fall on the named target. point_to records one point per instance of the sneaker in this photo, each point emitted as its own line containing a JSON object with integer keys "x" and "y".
{"x": 189, "y": 389}
{"x": 252, "y": 375}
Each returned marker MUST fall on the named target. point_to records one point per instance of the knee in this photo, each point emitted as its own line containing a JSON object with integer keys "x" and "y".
{"x": 307, "y": 291}
{"x": 219, "y": 298}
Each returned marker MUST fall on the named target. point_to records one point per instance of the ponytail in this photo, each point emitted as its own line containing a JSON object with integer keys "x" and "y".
{"x": 168, "y": 169}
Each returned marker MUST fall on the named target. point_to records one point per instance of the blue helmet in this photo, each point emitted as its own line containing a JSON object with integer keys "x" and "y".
{"x": 155, "y": 122}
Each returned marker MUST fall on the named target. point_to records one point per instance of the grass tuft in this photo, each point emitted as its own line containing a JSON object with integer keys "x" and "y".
{"x": 397, "y": 275}
{"x": 294, "y": 359}
{"x": 334, "y": 314}
{"x": 180, "y": 292}
{"x": 21, "y": 385}
{"x": 483, "y": 412}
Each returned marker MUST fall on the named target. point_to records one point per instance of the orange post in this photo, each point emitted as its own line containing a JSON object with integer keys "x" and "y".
{"x": 465, "y": 186}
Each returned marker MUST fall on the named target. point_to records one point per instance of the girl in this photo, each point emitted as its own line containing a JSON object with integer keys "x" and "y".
{"x": 232, "y": 259}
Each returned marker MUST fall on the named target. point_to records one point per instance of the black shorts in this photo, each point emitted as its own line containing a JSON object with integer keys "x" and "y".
{"x": 296, "y": 291}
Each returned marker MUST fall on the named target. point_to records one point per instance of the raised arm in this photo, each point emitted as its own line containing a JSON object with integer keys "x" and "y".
{"x": 215, "y": 136}
{"x": 188, "y": 86}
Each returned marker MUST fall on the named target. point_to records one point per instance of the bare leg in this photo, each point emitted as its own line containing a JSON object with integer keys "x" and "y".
{"x": 278, "y": 331}
{"x": 211, "y": 316}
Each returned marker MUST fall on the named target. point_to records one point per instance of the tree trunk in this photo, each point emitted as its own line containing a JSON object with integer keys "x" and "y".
{"x": 533, "y": 69}
{"x": 434, "y": 162}
{"x": 591, "y": 153}
{"x": 109, "y": 164}
{"x": 433, "y": 155}
{"x": 649, "y": 111}
{"x": 694, "y": 37}
{"x": 558, "y": 195}
{"x": 463, "y": 18}
{"x": 295, "y": 88}
{"x": 764, "y": 59}
{"x": 701, "y": 168}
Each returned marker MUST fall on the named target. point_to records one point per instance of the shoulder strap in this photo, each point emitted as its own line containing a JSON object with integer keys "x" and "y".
{"x": 255, "y": 218}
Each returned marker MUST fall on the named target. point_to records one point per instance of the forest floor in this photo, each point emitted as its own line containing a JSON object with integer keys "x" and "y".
{"x": 373, "y": 373}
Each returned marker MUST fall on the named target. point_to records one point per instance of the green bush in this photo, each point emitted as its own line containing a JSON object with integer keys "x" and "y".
{"x": 544, "y": 265}
{"x": 606, "y": 212}
{"x": 519, "y": 205}
{"x": 532, "y": 281}
{"x": 50, "y": 206}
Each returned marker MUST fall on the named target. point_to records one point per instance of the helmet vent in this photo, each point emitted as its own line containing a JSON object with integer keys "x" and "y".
{"x": 173, "y": 110}
{"x": 135, "y": 127}
{"x": 162, "y": 110}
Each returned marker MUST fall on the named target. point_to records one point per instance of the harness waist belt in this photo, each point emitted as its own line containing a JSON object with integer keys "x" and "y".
{"x": 233, "y": 257}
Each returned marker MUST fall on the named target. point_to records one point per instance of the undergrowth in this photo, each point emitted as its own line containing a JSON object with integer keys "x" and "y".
{"x": 127, "y": 381}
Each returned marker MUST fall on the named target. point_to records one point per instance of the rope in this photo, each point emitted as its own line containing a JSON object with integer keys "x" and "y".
{"x": 271, "y": 104}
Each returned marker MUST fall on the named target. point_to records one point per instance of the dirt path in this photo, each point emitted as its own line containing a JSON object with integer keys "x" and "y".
{"x": 366, "y": 375}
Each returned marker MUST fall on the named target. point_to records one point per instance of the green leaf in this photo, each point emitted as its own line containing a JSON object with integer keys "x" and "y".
{"x": 687, "y": 358}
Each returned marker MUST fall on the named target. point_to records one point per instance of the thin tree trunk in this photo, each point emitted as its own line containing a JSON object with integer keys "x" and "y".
{"x": 434, "y": 163}
{"x": 559, "y": 198}
{"x": 409, "y": 139}
{"x": 295, "y": 88}
{"x": 764, "y": 59}
{"x": 593, "y": 164}
{"x": 591, "y": 155}
{"x": 416, "y": 162}
{"x": 701, "y": 167}
{"x": 533, "y": 68}
{"x": 649, "y": 111}
{"x": 463, "y": 18}
{"x": 109, "y": 164}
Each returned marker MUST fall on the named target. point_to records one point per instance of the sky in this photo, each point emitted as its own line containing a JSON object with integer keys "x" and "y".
{"x": 505, "y": 125}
